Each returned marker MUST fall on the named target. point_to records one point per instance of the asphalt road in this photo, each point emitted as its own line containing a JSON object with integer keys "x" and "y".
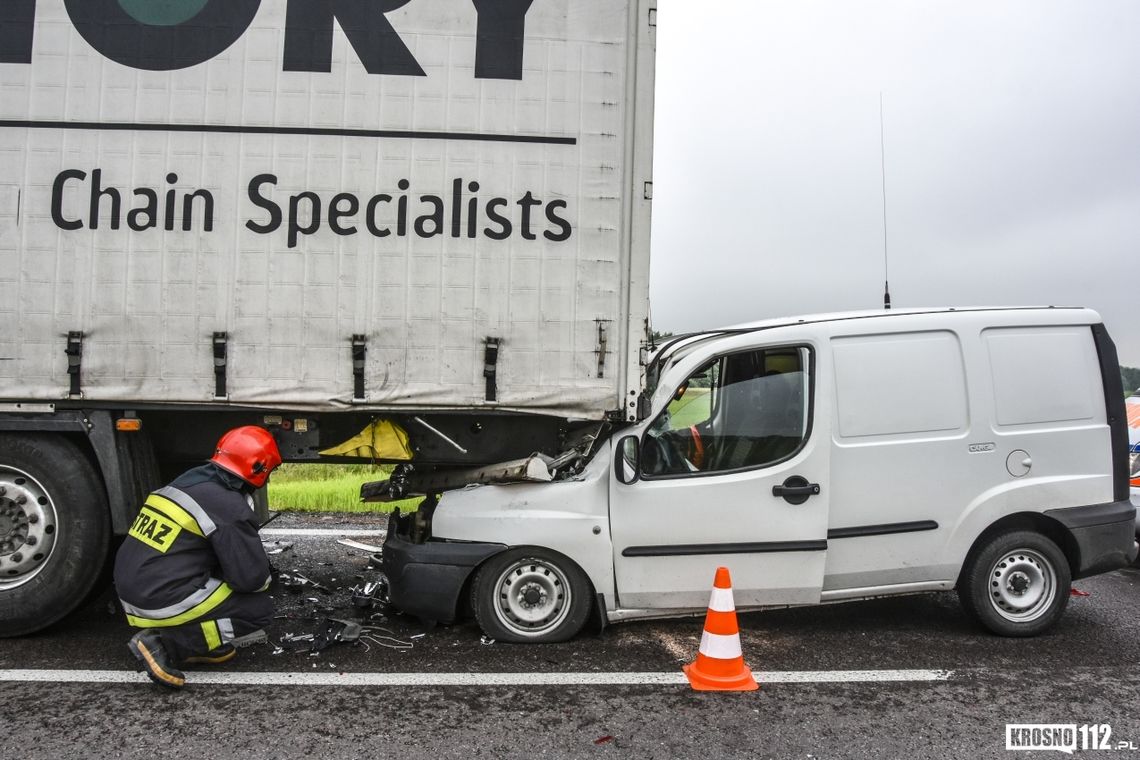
{"x": 1083, "y": 672}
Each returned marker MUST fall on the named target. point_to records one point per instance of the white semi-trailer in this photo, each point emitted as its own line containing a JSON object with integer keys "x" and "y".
{"x": 308, "y": 215}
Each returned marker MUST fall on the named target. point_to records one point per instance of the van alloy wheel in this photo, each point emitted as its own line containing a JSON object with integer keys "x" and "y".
{"x": 27, "y": 527}
{"x": 1023, "y": 585}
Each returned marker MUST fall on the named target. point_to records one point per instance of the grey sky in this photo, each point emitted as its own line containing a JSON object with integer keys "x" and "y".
{"x": 1012, "y": 158}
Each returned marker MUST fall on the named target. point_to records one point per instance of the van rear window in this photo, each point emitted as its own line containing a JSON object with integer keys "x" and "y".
{"x": 1044, "y": 375}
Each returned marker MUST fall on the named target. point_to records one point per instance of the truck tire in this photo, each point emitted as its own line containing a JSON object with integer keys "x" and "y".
{"x": 1016, "y": 584}
{"x": 530, "y": 595}
{"x": 54, "y": 530}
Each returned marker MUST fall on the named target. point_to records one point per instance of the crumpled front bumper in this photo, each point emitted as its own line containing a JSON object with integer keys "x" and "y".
{"x": 425, "y": 579}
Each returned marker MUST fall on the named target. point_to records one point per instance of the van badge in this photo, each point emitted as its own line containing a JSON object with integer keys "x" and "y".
{"x": 982, "y": 448}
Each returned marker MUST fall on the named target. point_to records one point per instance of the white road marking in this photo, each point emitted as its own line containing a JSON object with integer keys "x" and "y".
{"x": 469, "y": 679}
{"x": 332, "y": 532}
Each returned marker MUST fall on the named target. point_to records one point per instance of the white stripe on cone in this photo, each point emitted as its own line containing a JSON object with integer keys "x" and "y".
{"x": 721, "y": 647}
{"x": 721, "y": 600}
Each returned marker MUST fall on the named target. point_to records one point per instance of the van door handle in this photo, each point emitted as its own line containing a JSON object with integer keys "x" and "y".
{"x": 796, "y": 490}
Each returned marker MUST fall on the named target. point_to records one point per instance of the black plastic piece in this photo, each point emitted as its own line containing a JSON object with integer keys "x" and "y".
{"x": 1094, "y": 514}
{"x": 74, "y": 353}
{"x": 1104, "y": 534}
{"x": 220, "y": 345}
{"x": 490, "y": 359}
{"x": 359, "y": 350}
{"x": 761, "y": 547}
{"x": 1114, "y": 406}
{"x": 599, "y": 619}
{"x": 884, "y": 529}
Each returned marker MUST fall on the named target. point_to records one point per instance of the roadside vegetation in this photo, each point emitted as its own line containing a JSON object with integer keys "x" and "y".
{"x": 1131, "y": 379}
{"x": 328, "y": 488}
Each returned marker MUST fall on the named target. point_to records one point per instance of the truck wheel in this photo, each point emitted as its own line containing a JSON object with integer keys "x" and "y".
{"x": 1017, "y": 584}
{"x": 54, "y": 530}
{"x": 530, "y": 595}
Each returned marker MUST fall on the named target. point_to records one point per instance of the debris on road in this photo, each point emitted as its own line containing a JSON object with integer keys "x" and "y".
{"x": 337, "y": 631}
{"x": 1077, "y": 592}
{"x": 385, "y": 638}
{"x": 365, "y": 594}
{"x": 248, "y": 640}
{"x": 358, "y": 545}
{"x": 295, "y": 582}
{"x": 486, "y": 640}
{"x": 276, "y": 547}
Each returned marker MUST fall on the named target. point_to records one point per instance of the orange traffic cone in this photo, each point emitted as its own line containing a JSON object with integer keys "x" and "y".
{"x": 720, "y": 663}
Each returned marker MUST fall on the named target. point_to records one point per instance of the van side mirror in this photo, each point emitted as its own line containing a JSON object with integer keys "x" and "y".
{"x": 627, "y": 460}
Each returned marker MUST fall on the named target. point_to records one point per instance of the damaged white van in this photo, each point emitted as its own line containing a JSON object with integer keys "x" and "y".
{"x": 821, "y": 459}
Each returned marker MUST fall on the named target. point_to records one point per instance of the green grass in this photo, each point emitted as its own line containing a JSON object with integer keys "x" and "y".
{"x": 691, "y": 409}
{"x": 328, "y": 488}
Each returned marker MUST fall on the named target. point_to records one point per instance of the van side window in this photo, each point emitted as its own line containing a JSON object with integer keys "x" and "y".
{"x": 737, "y": 412}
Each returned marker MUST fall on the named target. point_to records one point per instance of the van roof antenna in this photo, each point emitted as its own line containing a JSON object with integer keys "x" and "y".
{"x": 883, "y": 170}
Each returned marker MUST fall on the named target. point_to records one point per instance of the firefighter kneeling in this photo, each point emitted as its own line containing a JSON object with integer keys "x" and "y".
{"x": 192, "y": 573}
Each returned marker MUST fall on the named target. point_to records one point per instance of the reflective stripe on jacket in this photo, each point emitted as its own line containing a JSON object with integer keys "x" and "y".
{"x": 192, "y": 544}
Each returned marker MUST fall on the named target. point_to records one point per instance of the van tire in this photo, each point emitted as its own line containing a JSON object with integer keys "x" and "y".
{"x": 1016, "y": 584}
{"x": 53, "y": 496}
{"x": 530, "y": 595}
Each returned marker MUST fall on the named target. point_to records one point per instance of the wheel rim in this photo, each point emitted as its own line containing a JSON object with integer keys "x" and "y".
{"x": 1023, "y": 585}
{"x": 27, "y": 527}
{"x": 532, "y": 597}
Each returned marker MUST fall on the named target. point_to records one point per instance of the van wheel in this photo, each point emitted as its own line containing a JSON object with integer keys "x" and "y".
{"x": 530, "y": 595}
{"x": 1017, "y": 584}
{"x": 54, "y": 530}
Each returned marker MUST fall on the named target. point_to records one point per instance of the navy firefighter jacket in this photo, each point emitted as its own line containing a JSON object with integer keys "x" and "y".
{"x": 193, "y": 544}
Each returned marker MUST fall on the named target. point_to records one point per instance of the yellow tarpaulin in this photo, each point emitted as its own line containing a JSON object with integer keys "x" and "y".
{"x": 382, "y": 439}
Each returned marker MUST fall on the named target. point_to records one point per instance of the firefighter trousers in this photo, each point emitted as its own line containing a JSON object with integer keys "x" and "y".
{"x": 238, "y": 615}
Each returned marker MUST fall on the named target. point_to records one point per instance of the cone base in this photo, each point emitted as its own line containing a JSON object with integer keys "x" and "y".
{"x": 700, "y": 681}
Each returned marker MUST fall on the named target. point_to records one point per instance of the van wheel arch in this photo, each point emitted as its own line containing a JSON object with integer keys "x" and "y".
{"x": 1026, "y": 521}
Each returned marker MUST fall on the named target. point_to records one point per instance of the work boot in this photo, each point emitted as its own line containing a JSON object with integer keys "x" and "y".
{"x": 217, "y": 656}
{"x": 147, "y": 648}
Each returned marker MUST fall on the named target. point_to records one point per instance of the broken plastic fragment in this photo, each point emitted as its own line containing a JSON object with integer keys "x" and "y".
{"x": 364, "y": 594}
{"x": 257, "y": 637}
{"x": 276, "y": 547}
{"x": 336, "y": 631}
{"x": 358, "y": 545}
{"x": 295, "y": 582}
{"x": 603, "y": 739}
{"x": 1077, "y": 592}
{"x": 486, "y": 640}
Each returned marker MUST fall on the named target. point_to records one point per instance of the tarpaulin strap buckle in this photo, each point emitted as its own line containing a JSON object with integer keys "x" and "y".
{"x": 220, "y": 349}
{"x": 359, "y": 349}
{"x": 490, "y": 359}
{"x": 74, "y": 353}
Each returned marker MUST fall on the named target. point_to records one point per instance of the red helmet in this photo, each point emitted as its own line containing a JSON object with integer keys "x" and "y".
{"x": 248, "y": 452}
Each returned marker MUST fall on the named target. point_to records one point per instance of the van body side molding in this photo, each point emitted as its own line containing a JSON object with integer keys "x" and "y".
{"x": 679, "y": 550}
{"x": 885, "y": 529}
